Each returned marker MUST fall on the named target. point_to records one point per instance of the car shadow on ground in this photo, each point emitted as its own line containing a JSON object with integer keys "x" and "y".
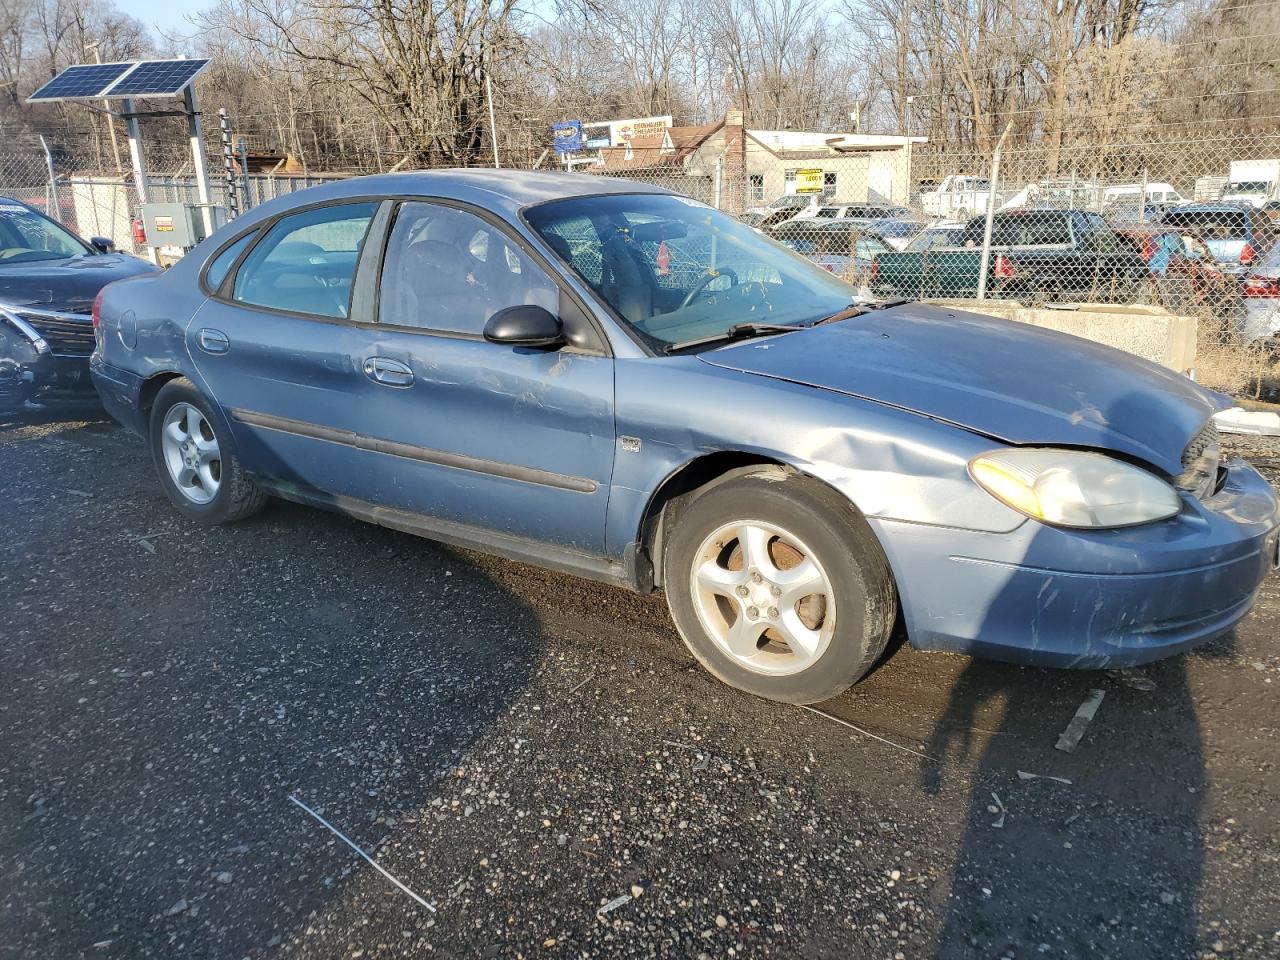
{"x": 147, "y": 788}
{"x": 1034, "y": 873}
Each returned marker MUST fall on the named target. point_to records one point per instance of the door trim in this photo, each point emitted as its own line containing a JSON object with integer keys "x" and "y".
{"x": 440, "y": 458}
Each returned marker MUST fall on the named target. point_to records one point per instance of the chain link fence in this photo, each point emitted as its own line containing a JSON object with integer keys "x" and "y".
{"x": 1188, "y": 225}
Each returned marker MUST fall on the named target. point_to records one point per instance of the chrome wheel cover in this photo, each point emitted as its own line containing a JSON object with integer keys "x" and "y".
{"x": 763, "y": 598}
{"x": 190, "y": 451}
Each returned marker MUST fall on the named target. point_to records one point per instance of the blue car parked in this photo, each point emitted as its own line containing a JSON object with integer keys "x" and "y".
{"x": 607, "y": 379}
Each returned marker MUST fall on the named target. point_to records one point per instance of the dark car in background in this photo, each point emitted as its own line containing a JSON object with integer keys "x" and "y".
{"x": 1037, "y": 255}
{"x": 49, "y": 279}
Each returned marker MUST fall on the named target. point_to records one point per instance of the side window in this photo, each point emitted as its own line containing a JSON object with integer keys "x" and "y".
{"x": 576, "y": 242}
{"x": 306, "y": 262}
{"x": 223, "y": 262}
{"x": 448, "y": 270}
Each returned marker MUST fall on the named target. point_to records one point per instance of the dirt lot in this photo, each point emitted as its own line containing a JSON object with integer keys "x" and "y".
{"x": 521, "y": 748}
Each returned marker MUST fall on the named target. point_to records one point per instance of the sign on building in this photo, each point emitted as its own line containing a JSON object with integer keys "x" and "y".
{"x": 567, "y": 136}
{"x": 809, "y": 181}
{"x": 622, "y": 132}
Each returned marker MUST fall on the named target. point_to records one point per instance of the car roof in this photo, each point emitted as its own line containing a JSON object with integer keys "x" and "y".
{"x": 502, "y": 191}
{"x": 1218, "y": 207}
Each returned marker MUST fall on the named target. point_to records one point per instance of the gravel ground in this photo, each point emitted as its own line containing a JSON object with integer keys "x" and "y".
{"x": 521, "y": 749}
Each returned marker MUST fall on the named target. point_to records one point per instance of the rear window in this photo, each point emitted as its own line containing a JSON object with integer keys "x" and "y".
{"x": 1032, "y": 229}
{"x": 1210, "y": 224}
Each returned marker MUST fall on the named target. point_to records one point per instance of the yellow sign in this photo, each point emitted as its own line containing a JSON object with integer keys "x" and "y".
{"x": 808, "y": 181}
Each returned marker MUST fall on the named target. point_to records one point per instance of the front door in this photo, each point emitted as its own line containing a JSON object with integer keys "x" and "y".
{"x": 513, "y": 440}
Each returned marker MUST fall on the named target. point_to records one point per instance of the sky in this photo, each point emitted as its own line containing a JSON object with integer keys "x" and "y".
{"x": 167, "y": 15}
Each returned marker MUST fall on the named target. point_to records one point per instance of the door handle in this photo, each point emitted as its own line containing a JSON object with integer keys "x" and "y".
{"x": 393, "y": 373}
{"x": 214, "y": 341}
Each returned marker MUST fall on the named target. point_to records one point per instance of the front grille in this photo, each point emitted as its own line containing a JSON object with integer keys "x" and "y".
{"x": 1200, "y": 462}
{"x": 68, "y": 334}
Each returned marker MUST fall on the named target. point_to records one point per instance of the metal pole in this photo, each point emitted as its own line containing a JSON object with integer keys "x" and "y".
{"x": 111, "y": 117}
{"x": 228, "y": 162}
{"x": 991, "y": 212}
{"x": 719, "y": 181}
{"x": 1142, "y": 201}
{"x": 244, "y": 173}
{"x": 135, "y": 150}
{"x": 55, "y": 208}
{"x": 493, "y": 124}
{"x": 196, "y": 136}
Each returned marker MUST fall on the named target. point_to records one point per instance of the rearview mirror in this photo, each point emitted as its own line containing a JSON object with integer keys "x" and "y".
{"x": 525, "y": 325}
{"x": 658, "y": 230}
{"x": 103, "y": 244}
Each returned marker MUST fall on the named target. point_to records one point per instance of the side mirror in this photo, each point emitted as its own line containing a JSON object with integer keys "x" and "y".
{"x": 525, "y": 325}
{"x": 103, "y": 244}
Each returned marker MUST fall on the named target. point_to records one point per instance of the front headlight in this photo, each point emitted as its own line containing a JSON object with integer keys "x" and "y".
{"x": 1074, "y": 488}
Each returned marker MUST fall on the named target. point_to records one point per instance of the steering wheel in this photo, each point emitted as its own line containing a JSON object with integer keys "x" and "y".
{"x": 702, "y": 285}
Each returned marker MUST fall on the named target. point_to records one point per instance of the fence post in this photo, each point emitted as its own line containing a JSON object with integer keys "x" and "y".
{"x": 244, "y": 174}
{"x": 55, "y": 208}
{"x": 719, "y": 182}
{"x": 1142, "y": 199}
{"x": 991, "y": 212}
{"x": 228, "y": 162}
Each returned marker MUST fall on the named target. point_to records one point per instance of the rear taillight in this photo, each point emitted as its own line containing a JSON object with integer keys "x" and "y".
{"x": 1261, "y": 287}
{"x": 1148, "y": 249}
{"x": 1247, "y": 254}
{"x": 875, "y": 268}
{"x": 96, "y": 313}
{"x": 1003, "y": 269}
{"x": 139, "y": 233}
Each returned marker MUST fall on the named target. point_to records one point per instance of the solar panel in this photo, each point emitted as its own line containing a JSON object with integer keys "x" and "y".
{"x": 156, "y": 78}
{"x": 86, "y": 80}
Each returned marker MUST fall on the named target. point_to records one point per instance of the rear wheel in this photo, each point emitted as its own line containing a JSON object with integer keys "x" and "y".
{"x": 198, "y": 472}
{"x": 778, "y": 586}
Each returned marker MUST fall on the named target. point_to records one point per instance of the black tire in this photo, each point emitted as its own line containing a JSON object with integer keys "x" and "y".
{"x": 237, "y": 495}
{"x": 838, "y": 538}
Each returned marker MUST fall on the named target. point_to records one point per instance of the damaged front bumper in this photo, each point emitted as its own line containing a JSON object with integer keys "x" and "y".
{"x": 1047, "y": 596}
{"x": 42, "y": 369}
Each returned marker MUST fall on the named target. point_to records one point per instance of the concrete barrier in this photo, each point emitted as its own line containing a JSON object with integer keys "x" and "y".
{"x": 1150, "y": 332}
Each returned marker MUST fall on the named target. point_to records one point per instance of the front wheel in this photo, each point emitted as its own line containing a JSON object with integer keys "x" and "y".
{"x": 198, "y": 471}
{"x": 778, "y": 586}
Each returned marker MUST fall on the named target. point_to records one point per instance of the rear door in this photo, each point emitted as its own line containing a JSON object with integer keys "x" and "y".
{"x": 275, "y": 344}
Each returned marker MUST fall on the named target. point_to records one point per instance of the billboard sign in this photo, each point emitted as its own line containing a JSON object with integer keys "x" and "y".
{"x": 622, "y": 132}
{"x": 567, "y": 136}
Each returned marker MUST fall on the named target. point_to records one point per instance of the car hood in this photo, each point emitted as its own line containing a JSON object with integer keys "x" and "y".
{"x": 65, "y": 285}
{"x": 1017, "y": 383}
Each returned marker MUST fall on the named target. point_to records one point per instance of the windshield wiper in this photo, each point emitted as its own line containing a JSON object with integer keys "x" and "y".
{"x": 736, "y": 332}
{"x": 858, "y": 309}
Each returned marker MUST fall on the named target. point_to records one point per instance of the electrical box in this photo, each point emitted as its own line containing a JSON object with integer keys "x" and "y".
{"x": 180, "y": 224}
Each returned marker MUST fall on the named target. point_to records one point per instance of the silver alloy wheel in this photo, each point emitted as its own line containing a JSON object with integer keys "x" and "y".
{"x": 190, "y": 450}
{"x": 763, "y": 597}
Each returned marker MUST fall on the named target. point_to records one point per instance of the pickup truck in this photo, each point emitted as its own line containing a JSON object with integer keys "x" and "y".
{"x": 1036, "y": 256}
{"x": 957, "y": 196}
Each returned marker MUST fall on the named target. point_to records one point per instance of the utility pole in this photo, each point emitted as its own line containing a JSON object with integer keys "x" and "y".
{"x": 228, "y": 162}
{"x": 111, "y": 117}
{"x": 493, "y": 124}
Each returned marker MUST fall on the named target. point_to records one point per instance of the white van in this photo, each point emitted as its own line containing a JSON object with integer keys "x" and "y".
{"x": 1156, "y": 193}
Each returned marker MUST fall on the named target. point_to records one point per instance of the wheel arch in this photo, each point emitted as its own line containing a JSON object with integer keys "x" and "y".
{"x": 150, "y": 388}
{"x": 703, "y": 473}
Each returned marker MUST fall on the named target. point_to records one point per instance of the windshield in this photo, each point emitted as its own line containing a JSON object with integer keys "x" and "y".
{"x": 26, "y": 236}
{"x": 676, "y": 270}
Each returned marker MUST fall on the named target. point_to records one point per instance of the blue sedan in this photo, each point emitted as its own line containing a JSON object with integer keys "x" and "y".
{"x": 604, "y": 378}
